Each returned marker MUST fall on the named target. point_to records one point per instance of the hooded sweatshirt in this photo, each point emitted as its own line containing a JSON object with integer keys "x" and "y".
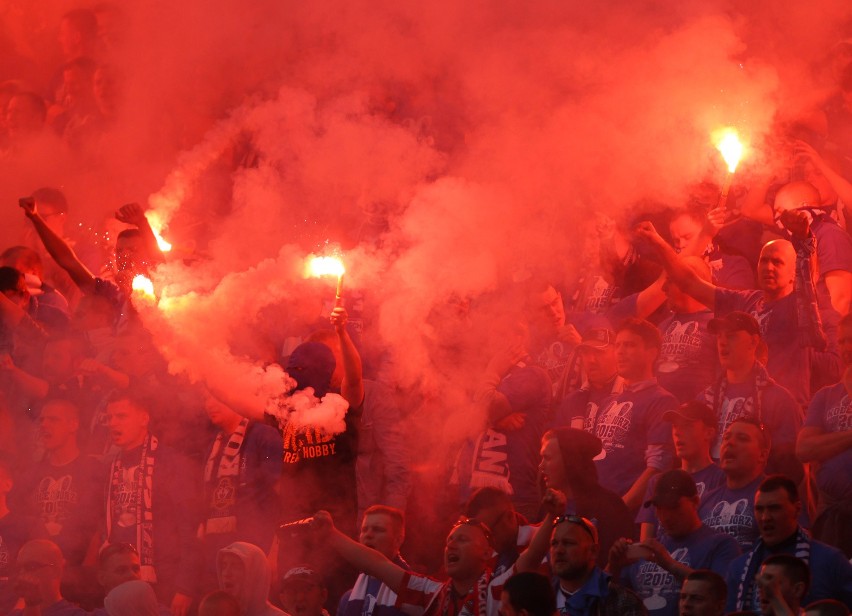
{"x": 253, "y": 595}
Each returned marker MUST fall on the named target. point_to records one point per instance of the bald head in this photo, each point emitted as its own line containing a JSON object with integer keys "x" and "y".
{"x": 42, "y": 551}
{"x": 776, "y": 269}
{"x": 795, "y": 195}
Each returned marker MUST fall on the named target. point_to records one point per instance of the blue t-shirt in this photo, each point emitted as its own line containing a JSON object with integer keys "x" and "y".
{"x": 634, "y": 436}
{"x": 831, "y": 411}
{"x": 732, "y": 512}
{"x": 778, "y": 411}
{"x": 702, "y": 549}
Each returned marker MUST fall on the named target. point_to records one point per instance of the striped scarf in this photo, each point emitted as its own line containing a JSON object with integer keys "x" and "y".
{"x": 144, "y": 513}
{"x": 746, "y": 589}
{"x": 221, "y": 519}
{"x": 475, "y": 603}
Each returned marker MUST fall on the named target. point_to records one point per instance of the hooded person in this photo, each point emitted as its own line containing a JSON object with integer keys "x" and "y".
{"x": 568, "y": 465}
{"x": 244, "y": 574}
{"x": 319, "y": 467}
{"x": 133, "y": 598}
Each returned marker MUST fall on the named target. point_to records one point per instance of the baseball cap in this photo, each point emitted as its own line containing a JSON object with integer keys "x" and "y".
{"x": 301, "y": 573}
{"x": 597, "y": 338}
{"x": 693, "y": 411}
{"x": 670, "y": 487}
{"x": 734, "y": 321}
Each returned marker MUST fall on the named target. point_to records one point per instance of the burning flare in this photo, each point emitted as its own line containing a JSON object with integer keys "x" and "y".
{"x": 728, "y": 143}
{"x": 142, "y": 285}
{"x": 157, "y": 227}
{"x": 325, "y": 266}
{"x": 328, "y": 266}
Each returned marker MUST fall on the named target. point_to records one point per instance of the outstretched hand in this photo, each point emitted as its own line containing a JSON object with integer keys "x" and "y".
{"x": 28, "y": 204}
{"x": 131, "y": 214}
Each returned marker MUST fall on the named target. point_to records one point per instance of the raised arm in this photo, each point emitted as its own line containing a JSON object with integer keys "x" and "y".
{"x": 352, "y": 386}
{"x": 61, "y": 252}
{"x": 554, "y": 503}
{"x": 680, "y": 274}
{"x": 365, "y": 559}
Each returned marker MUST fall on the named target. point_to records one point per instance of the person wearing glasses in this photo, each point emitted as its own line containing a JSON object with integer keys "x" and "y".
{"x": 471, "y": 590}
{"x": 38, "y": 572}
{"x": 656, "y": 568}
{"x": 582, "y": 588}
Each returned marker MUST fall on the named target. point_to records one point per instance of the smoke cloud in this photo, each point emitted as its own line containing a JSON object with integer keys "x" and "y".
{"x": 449, "y": 149}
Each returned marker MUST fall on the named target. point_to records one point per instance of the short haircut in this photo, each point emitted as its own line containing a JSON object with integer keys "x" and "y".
{"x": 53, "y": 196}
{"x": 828, "y": 607}
{"x": 718, "y": 587}
{"x": 485, "y": 498}
{"x": 780, "y": 482}
{"x": 532, "y": 592}
{"x": 63, "y": 402}
{"x": 138, "y": 401}
{"x": 644, "y": 329}
{"x": 24, "y": 255}
{"x": 113, "y": 549}
{"x": 392, "y": 512}
{"x": 10, "y": 278}
{"x": 129, "y": 234}
{"x": 765, "y": 437}
{"x": 795, "y": 569}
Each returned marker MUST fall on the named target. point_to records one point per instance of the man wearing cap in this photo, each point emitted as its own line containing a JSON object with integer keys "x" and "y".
{"x": 302, "y": 592}
{"x": 785, "y": 306}
{"x": 693, "y": 431}
{"x": 596, "y": 354}
{"x": 746, "y": 390}
{"x": 583, "y": 588}
{"x": 567, "y": 465}
{"x": 686, "y": 544}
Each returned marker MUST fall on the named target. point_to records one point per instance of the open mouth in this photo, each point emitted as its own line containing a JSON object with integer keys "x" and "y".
{"x": 452, "y": 559}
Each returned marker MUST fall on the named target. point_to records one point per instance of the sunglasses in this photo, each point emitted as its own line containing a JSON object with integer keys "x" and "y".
{"x": 580, "y": 521}
{"x": 464, "y": 521}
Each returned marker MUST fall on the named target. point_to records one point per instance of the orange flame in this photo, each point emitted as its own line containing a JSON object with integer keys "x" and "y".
{"x": 142, "y": 285}
{"x": 728, "y": 143}
{"x": 157, "y": 228}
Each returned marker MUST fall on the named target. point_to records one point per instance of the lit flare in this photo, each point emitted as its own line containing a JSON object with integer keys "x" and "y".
{"x": 143, "y": 286}
{"x": 157, "y": 228}
{"x": 729, "y": 145}
{"x": 328, "y": 266}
